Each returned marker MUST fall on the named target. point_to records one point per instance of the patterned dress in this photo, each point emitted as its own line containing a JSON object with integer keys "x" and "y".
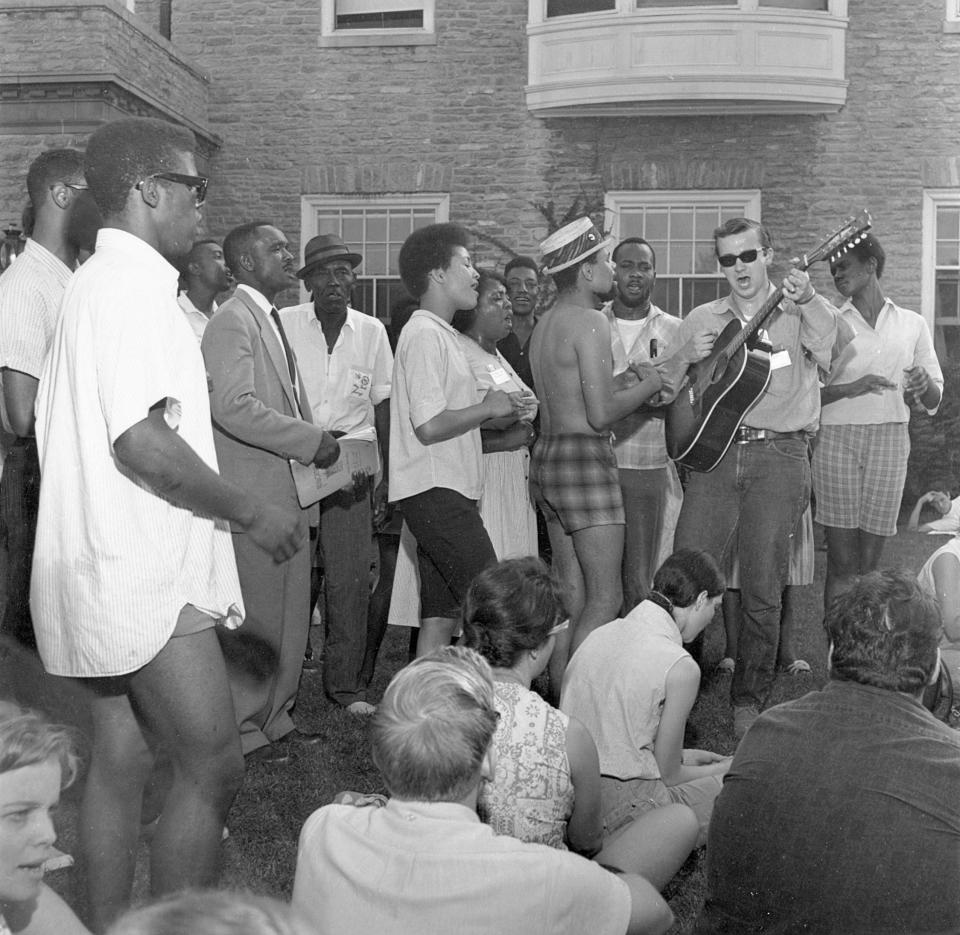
{"x": 531, "y": 795}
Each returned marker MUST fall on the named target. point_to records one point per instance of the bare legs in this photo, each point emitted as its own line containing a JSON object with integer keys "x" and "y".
{"x": 181, "y": 701}
{"x": 587, "y": 565}
{"x": 850, "y": 552}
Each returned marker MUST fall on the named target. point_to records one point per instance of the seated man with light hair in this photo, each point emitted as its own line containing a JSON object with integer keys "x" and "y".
{"x": 424, "y": 864}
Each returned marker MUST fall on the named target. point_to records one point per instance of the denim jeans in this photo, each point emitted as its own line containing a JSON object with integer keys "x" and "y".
{"x": 19, "y": 501}
{"x": 760, "y": 489}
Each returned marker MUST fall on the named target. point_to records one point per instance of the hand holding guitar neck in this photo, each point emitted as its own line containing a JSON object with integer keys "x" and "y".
{"x": 797, "y": 287}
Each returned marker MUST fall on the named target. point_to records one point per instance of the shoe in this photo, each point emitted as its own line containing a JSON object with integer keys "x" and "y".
{"x": 742, "y": 719}
{"x": 301, "y": 738}
{"x": 269, "y": 755}
{"x": 726, "y": 666}
{"x": 363, "y": 708}
{"x": 797, "y": 667}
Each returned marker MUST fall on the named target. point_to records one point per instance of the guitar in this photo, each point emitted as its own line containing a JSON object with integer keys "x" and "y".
{"x": 720, "y": 389}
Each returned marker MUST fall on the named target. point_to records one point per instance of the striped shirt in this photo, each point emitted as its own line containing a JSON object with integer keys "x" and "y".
{"x": 639, "y": 441}
{"x": 114, "y": 563}
{"x": 30, "y": 294}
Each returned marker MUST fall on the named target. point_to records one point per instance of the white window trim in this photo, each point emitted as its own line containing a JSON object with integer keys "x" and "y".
{"x": 537, "y": 10}
{"x": 309, "y": 205}
{"x": 951, "y": 16}
{"x": 746, "y": 199}
{"x": 932, "y": 199}
{"x": 331, "y": 37}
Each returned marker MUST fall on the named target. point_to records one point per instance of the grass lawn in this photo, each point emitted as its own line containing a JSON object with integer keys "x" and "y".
{"x": 266, "y": 818}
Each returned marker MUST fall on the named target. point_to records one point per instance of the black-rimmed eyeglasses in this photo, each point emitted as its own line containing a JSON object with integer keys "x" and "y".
{"x": 198, "y": 183}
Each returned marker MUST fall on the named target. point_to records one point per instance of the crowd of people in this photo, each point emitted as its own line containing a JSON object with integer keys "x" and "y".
{"x": 185, "y": 473}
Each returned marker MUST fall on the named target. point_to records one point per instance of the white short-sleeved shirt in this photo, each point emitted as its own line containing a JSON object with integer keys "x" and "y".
{"x": 114, "y": 563}
{"x": 195, "y": 318}
{"x": 431, "y": 374}
{"x": 30, "y": 294}
{"x": 901, "y": 339}
{"x": 344, "y": 385}
{"x": 432, "y": 868}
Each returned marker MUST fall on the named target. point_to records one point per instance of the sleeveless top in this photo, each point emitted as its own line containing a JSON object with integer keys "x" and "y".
{"x": 531, "y": 795}
{"x": 615, "y": 685}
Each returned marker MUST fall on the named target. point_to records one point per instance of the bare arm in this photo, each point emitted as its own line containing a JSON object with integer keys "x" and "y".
{"x": 946, "y": 579}
{"x": 649, "y": 912}
{"x": 453, "y": 422}
{"x": 585, "y": 827}
{"x": 19, "y": 396}
{"x": 159, "y": 457}
{"x": 604, "y": 403}
{"x": 869, "y": 383}
{"x": 516, "y": 436}
{"x": 913, "y": 524}
{"x": 676, "y": 764}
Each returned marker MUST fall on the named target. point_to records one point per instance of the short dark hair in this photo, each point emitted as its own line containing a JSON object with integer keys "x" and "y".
{"x": 884, "y": 631}
{"x": 55, "y": 165}
{"x": 685, "y": 574}
{"x": 183, "y": 263}
{"x": 868, "y": 247}
{"x": 426, "y": 249}
{"x": 238, "y": 242}
{"x": 434, "y": 725}
{"x": 465, "y": 318}
{"x": 637, "y": 240}
{"x": 733, "y": 226}
{"x": 524, "y": 262}
{"x": 511, "y": 607}
{"x": 567, "y": 278}
{"x": 124, "y": 152}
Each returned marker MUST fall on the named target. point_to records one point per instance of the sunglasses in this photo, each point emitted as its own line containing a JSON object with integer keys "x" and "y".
{"x": 730, "y": 259}
{"x": 197, "y": 183}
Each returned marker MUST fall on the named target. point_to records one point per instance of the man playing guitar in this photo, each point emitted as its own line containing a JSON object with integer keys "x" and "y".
{"x": 762, "y": 483}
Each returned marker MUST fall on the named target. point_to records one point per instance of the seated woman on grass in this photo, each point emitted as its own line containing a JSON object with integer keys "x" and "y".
{"x": 37, "y": 760}
{"x": 940, "y": 577}
{"x": 546, "y": 787}
{"x": 632, "y": 684}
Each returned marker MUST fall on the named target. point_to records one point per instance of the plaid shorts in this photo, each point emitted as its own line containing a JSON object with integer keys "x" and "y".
{"x": 858, "y": 475}
{"x": 574, "y": 479}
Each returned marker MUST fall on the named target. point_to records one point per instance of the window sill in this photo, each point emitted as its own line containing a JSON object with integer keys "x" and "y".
{"x": 370, "y": 38}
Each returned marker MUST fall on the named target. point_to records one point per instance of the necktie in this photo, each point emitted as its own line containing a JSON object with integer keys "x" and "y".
{"x": 291, "y": 367}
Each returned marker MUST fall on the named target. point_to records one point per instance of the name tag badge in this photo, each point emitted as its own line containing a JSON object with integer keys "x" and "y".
{"x": 499, "y": 376}
{"x": 779, "y": 359}
{"x": 360, "y": 383}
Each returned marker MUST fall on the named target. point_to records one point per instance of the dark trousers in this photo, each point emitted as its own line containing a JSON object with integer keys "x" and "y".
{"x": 19, "y": 501}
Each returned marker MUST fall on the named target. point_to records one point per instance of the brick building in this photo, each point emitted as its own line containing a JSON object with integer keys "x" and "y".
{"x": 661, "y": 116}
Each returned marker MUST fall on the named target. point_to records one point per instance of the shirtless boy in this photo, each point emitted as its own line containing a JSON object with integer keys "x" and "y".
{"x": 573, "y": 472}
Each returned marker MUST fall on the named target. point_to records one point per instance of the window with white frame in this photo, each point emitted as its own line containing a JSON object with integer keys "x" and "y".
{"x": 940, "y": 288}
{"x": 679, "y": 225}
{"x": 951, "y": 20}
{"x": 376, "y": 22}
{"x": 376, "y": 229}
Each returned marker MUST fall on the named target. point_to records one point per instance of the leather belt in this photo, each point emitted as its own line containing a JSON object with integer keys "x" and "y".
{"x": 747, "y": 434}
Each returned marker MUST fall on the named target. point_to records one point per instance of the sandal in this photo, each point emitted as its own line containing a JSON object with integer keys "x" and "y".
{"x": 726, "y": 666}
{"x": 797, "y": 667}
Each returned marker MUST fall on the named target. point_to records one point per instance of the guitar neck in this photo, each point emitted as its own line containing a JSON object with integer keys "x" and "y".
{"x": 766, "y": 310}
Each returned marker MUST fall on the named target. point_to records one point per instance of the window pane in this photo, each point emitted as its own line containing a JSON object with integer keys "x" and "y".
{"x": 570, "y": 7}
{"x": 362, "y": 299}
{"x": 947, "y": 296}
{"x": 706, "y": 259}
{"x": 703, "y": 290}
{"x": 680, "y": 259}
{"x": 681, "y": 224}
{"x": 400, "y": 226}
{"x": 948, "y": 223}
{"x": 796, "y": 4}
{"x": 656, "y": 224}
{"x": 948, "y": 253}
{"x": 375, "y": 260}
{"x": 666, "y": 294}
{"x": 377, "y": 227}
{"x": 353, "y": 230}
{"x": 652, "y": 4}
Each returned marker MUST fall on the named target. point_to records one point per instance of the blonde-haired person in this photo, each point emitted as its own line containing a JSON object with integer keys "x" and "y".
{"x": 424, "y": 863}
{"x": 546, "y": 785}
{"x": 37, "y": 761}
{"x": 212, "y": 912}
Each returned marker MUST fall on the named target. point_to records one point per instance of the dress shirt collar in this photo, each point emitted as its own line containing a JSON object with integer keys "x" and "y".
{"x": 50, "y": 261}
{"x": 425, "y": 313}
{"x": 411, "y": 810}
{"x": 139, "y": 251}
{"x": 349, "y": 321}
{"x": 258, "y": 297}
